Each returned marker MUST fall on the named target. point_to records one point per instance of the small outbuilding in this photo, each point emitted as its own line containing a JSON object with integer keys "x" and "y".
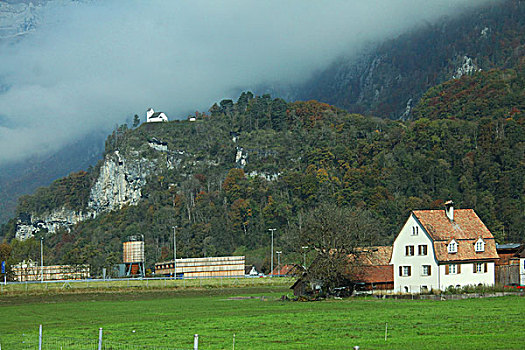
{"x": 368, "y": 269}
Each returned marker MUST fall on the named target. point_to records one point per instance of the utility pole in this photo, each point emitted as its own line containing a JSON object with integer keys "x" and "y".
{"x": 42, "y": 259}
{"x": 272, "y": 230}
{"x": 174, "y": 252}
{"x": 304, "y": 256}
{"x": 279, "y": 261}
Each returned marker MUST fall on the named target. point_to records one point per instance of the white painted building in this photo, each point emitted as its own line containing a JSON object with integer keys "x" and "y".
{"x": 155, "y": 117}
{"x": 522, "y": 267}
{"x": 437, "y": 249}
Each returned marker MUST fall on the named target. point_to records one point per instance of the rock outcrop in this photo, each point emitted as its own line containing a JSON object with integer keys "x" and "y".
{"x": 50, "y": 222}
{"x": 119, "y": 183}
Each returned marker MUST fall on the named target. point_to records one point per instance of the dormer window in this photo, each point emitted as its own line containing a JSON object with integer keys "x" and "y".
{"x": 453, "y": 247}
{"x": 415, "y": 230}
{"x": 480, "y": 245}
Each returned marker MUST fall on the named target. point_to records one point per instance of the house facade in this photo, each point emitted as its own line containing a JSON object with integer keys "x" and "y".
{"x": 437, "y": 249}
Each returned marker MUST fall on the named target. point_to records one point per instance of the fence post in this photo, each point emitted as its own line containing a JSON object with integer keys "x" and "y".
{"x": 40, "y": 338}
{"x": 196, "y": 342}
{"x": 100, "y": 338}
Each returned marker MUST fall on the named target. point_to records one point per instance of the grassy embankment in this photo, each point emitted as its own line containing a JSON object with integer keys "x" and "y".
{"x": 60, "y": 287}
{"x": 168, "y": 317}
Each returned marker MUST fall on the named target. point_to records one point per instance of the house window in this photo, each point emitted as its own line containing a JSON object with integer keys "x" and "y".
{"x": 422, "y": 249}
{"x": 415, "y": 230}
{"x": 405, "y": 271}
{"x": 480, "y": 267}
{"x": 480, "y": 246}
{"x": 409, "y": 250}
{"x": 426, "y": 270}
{"x": 453, "y": 247}
{"x": 452, "y": 269}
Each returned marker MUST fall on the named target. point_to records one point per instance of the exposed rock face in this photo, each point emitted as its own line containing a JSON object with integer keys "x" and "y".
{"x": 158, "y": 145}
{"x": 467, "y": 67}
{"x": 241, "y": 157}
{"x": 57, "y": 219}
{"x": 119, "y": 183}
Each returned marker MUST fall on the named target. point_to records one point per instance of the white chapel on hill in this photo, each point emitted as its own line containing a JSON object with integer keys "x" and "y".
{"x": 155, "y": 117}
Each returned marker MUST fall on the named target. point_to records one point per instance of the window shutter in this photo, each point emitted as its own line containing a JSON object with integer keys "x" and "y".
{"x": 410, "y": 270}
{"x": 474, "y": 264}
{"x": 429, "y": 270}
{"x": 447, "y": 269}
{"x": 459, "y": 269}
{"x": 419, "y": 250}
{"x": 406, "y": 250}
{"x": 486, "y": 267}
{"x": 400, "y": 270}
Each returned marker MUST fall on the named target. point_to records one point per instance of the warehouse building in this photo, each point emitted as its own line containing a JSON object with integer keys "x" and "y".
{"x": 225, "y": 266}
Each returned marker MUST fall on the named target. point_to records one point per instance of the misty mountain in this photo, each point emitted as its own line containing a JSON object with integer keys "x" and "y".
{"x": 383, "y": 80}
{"x": 19, "y": 178}
{"x": 387, "y": 80}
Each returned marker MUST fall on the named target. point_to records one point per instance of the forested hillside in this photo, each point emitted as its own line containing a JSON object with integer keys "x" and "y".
{"x": 259, "y": 163}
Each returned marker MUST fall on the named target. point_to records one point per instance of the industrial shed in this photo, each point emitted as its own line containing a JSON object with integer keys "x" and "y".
{"x": 225, "y": 266}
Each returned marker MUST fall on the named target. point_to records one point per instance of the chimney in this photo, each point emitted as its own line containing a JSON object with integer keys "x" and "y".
{"x": 449, "y": 210}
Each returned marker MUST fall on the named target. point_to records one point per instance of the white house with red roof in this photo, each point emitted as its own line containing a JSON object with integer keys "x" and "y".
{"x": 437, "y": 249}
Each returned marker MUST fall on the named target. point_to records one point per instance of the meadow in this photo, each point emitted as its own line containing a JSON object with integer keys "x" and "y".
{"x": 261, "y": 320}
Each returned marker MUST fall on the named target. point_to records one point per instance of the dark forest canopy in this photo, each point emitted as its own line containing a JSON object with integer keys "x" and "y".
{"x": 298, "y": 156}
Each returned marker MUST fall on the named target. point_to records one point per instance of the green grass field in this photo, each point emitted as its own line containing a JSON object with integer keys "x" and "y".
{"x": 170, "y": 318}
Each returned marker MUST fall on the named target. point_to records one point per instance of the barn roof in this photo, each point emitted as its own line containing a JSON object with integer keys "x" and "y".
{"x": 375, "y": 256}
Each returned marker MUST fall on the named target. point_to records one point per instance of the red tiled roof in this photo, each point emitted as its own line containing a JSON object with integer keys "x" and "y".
{"x": 373, "y": 265}
{"x": 466, "y": 229}
{"x": 287, "y": 270}
{"x": 376, "y": 274}
{"x": 375, "y": 256}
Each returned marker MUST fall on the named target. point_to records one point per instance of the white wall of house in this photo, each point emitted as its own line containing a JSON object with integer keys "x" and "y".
{"x": 522, "y": 271}
{"x": 466, "y": 275}
{"x": 413, "y": 234}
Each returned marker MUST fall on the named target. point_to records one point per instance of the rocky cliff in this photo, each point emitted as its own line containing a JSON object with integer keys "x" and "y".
{"x": 119, "y": 183}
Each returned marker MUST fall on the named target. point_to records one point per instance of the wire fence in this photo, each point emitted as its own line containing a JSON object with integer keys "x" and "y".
{"x": 36, "y": 342}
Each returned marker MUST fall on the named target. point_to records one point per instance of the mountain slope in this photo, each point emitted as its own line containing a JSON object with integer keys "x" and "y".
{"x": 258, "y": 163}
{"x": 389, "y": 79}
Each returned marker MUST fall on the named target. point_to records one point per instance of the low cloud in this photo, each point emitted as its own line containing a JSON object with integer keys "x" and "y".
{"x": 89, "y": 65}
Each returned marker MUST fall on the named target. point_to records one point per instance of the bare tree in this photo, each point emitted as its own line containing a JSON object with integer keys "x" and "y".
{"x": 337, "y": 235}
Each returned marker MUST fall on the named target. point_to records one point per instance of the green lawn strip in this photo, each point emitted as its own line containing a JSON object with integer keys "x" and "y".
{"x": 172, "y": 319}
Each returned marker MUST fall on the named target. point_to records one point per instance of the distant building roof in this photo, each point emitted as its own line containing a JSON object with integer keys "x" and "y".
{"x": 465, "y": 229}
{"x": 508, "y": 246}
{"x": 287, "y": 270}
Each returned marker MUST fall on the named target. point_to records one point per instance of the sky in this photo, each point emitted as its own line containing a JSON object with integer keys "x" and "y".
{"x": 95, "y": 63}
